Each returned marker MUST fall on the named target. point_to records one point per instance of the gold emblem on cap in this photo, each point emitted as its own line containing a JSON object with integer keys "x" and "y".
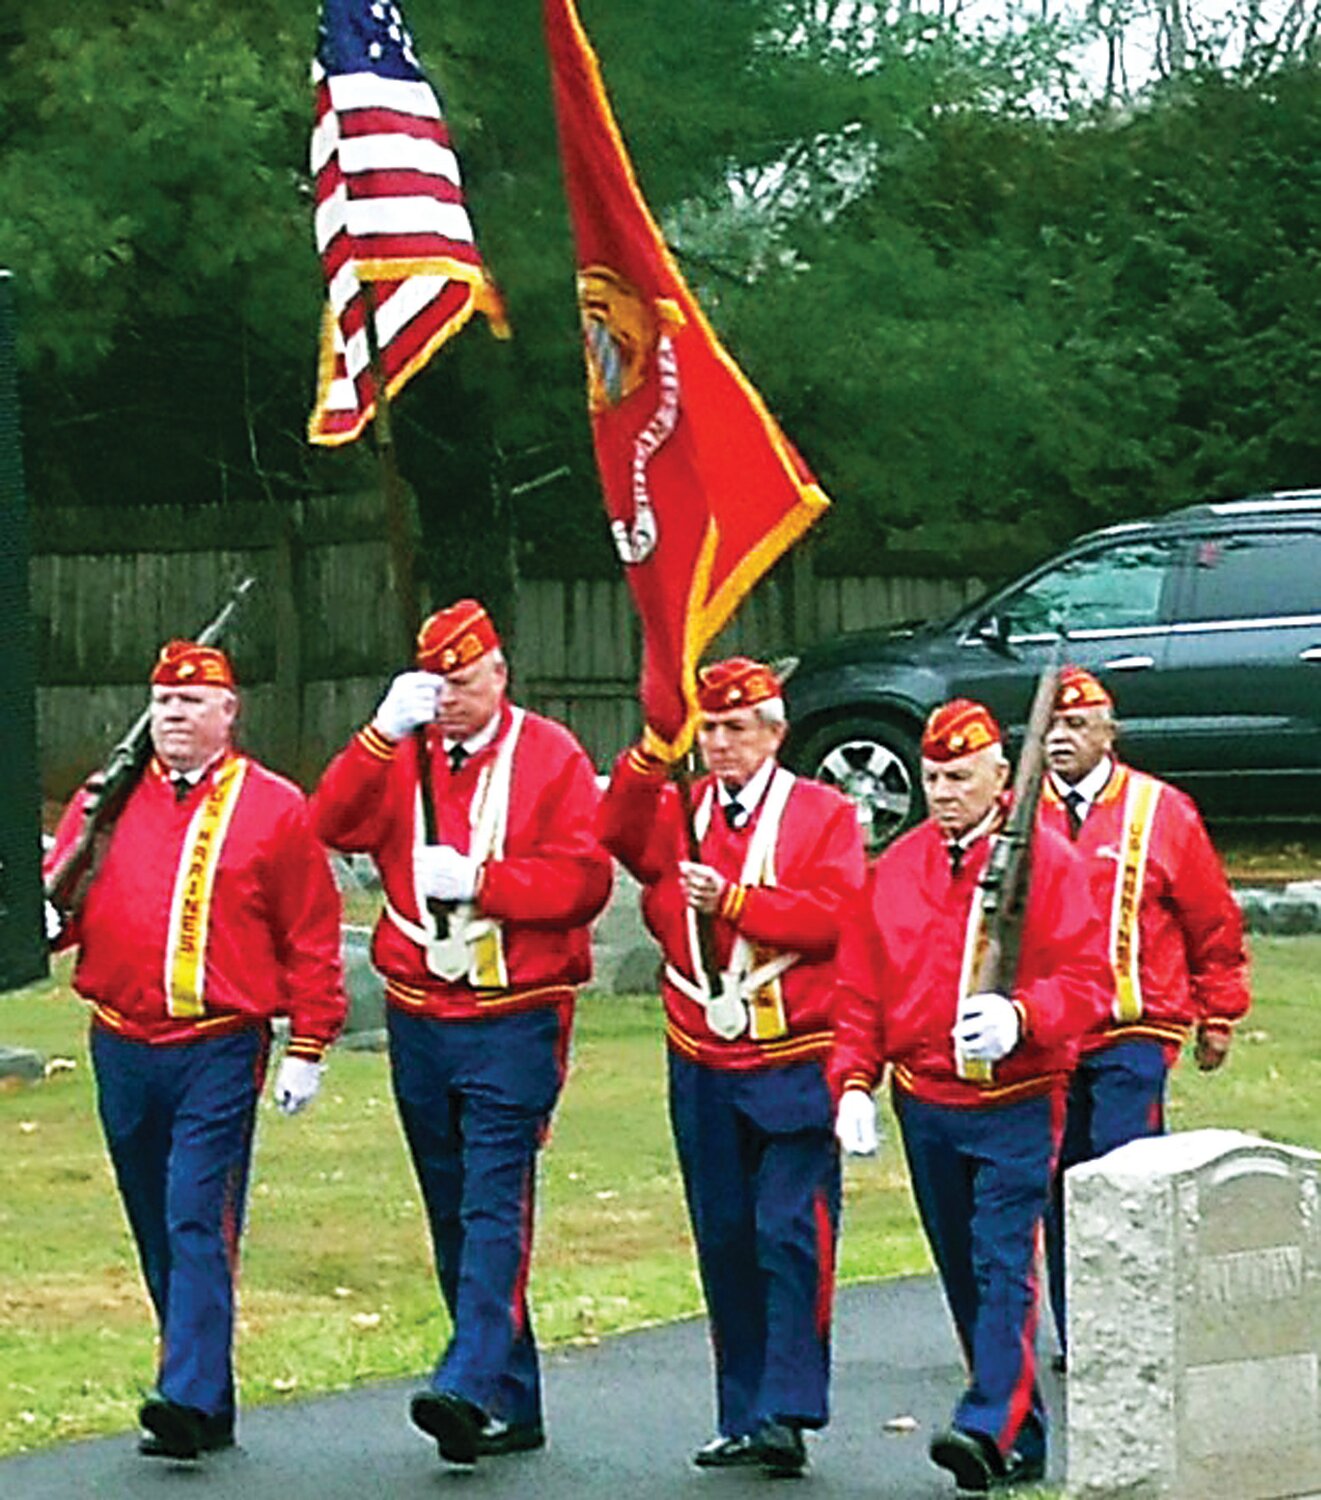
{"x": 735, "y": 694}
{"x": 957, "y": 741}
{"x": 186, "y": 669}
{"x": 449, "y": 659}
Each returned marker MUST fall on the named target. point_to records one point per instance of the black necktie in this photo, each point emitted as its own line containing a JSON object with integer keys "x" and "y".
{"x": 736, "y": 815}
{"x": 1074, "y": 805}
{"x": 457, "y": 755}
{"x": 955, "y": 852}
{"x": 182, "y": 786}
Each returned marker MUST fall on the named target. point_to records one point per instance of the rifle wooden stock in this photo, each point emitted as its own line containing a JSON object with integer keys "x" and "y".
{"x": 108, "y": 789}
{"x": 1006, "y": 879}
{"x": 1008, "y": 873}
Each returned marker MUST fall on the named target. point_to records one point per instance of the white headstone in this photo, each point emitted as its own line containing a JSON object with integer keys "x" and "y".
{"x": 1194, "y": 1294}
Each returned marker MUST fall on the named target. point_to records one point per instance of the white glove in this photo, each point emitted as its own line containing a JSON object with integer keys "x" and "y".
{"x": 296, "y": 1084}
{"x": 410, "y": 701}
{"x": 443, "y": 874}
{"x": 855, "y": 1123}
{"x": 986, "y": 1027}
{"x": 702, "y": 886}
{"x": 54, "y": 926}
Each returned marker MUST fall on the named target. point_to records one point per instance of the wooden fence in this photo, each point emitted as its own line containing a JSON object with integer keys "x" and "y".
{"x": 320, "y": 635}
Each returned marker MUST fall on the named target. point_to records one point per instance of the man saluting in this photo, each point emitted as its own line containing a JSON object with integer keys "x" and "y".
{"x": 481, "y": 819}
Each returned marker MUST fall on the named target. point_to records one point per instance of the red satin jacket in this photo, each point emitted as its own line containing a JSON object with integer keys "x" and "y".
{"x": 1192, "y": 966}
{"x": 272, "y": 945}
{"x": 553, "y": 879}
{"x": 819, "y": 867}
{"x": 900, "y": 963}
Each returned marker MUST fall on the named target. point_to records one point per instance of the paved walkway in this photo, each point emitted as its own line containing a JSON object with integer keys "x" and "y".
{"x": 623, "y": 1420}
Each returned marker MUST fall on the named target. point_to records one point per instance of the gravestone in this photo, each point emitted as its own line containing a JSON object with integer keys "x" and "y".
{"x": 1194, "y": 1293}
{"x": 625, "y": 957}
{"x": 363, "y": 986}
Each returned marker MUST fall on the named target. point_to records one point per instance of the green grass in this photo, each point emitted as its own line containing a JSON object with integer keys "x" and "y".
{"x": 337, "y": 1279}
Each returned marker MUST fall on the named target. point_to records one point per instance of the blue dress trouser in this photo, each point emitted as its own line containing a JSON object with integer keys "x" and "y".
{"x": 1116, "y": 1095}
{"x": 982, "y": 1181}
{"x": 475, "y": 1099}
{"x": 761, "y": 1174}
{"x": 178, "y": 1122}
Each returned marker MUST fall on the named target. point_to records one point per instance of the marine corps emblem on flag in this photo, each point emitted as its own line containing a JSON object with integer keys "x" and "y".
{"x": 620, "y": 333}
{"x": 625, "y": 336}
{"x": 702, "y": 490}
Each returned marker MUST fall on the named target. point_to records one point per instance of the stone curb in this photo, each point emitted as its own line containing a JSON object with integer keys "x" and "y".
{"x": 1286, "y": 912}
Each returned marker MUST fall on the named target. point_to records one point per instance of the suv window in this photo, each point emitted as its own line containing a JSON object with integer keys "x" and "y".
{"x": 1116, "y": 588}
{"x": 1257, "y": 576}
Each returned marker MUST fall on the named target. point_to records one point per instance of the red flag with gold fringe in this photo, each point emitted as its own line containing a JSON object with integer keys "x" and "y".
{"x": 703, "y": 490}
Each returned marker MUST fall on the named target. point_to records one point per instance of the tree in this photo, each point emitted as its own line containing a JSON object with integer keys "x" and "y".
{"x": 988, "y": 308}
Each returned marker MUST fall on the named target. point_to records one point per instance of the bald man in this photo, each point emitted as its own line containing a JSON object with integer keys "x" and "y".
{"x": 978, "y": 1078}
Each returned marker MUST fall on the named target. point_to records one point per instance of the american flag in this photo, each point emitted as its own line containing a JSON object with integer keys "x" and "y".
{"x": 389, "y": 212}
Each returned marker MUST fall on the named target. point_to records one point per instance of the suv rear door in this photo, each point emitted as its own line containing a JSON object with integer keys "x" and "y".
{"x": 1114, "y": 598}
{"x": 1245, "y": 660}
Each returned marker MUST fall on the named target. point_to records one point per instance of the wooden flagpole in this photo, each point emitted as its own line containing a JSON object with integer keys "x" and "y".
{"x": 681, "y": 772}
{"x": 403, "y": 558}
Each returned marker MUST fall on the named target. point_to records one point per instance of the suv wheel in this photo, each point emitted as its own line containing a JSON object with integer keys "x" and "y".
{"x": 875, "y": 764}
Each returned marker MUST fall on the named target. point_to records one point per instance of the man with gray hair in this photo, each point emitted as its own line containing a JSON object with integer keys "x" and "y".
{"x": 978, "y": 1077}
{"x": 769, "y": 866}
{"x": 480, "y": 816}
{"x": 1175, "y": 939}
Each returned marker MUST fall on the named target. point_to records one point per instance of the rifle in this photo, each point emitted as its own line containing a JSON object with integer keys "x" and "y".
{"x": 1006, "y": 879}
{"x": 107, "y": 790}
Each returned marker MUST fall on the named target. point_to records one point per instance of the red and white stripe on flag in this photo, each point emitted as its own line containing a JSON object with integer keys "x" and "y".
{"x": 391, "y": 225}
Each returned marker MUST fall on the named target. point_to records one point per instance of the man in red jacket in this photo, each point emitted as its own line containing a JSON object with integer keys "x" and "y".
{"x": 213, "y": 910}
{"x": 978, "y": 1079}
{"x": 480, "y": 817}
{"x": 778, "y": 858}
{"x": 1175, "y": 939}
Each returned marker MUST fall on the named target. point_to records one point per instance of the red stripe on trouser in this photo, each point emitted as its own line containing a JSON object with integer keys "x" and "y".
{"x": 518, "y": 1301}
{"x": 1020, "y": 1400}
{"x": 825, "y": 1263}
{"x": 1059, "y": 1114}
{"x": 229, "y": 1221}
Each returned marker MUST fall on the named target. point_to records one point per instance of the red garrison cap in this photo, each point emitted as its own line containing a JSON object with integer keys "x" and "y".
{"x": 453, "y": 637}
{"x": 737, "y": 683}
{"x": 1079, "y": 689}
{"x": 186, "y": 664}
{"x": 958, "y": 728}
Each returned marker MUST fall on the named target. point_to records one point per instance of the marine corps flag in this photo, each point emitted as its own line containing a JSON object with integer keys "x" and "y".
{"x": 703, "y": 490}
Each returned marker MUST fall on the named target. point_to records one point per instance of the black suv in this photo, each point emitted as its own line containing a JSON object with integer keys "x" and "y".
{"x": 1204, "y": 623}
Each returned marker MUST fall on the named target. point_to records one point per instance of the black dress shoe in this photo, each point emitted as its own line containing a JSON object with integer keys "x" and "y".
{"x": 212, "y": 1440}
{"x": 455, "y": 1423}
{"x": 780, "y": 1449}
{"x": 727, "y": 1453}
{"x": 973, "y": 1460}
{"x": 183, "y": 1432}
{"x": 498, "y": 1436}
